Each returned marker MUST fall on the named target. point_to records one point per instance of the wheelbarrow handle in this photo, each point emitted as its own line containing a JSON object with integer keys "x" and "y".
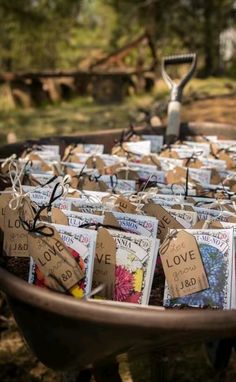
{"x": 177, "y": 89}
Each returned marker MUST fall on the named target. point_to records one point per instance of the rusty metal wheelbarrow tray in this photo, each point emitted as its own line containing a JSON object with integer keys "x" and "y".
{"x": 64, "y": 332}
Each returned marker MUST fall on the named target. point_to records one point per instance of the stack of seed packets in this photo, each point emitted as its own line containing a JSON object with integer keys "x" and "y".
{"x": 81, "y": 244}
{"x": 89, "y": 223}
{"x": 217, "y": 252}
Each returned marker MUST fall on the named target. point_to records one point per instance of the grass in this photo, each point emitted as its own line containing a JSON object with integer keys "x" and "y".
{"x": 83, "y": 114}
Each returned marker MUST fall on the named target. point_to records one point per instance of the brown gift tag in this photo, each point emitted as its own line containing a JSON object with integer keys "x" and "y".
{"x": 215, "y": 176}
{"x": 55, "y": 215}
{"x": 15, "y": 236}
{"x": 229, "y": 161}
{"x": 109, "y": 219}
{"x": 199, "y": 224}
{"x": 57, "y": 170}
{"x": 123, "y": 205}
{"x": 193, "y": 163}
{"x": 127, "y": 174}
{"x": 105, "y": 263}
{"x": 165, "y": 220}
{"x": 92, "y": 185}
{"x": 151, "y": 159}
{"x": 74, "y": 179}
{"x": 15, "y": 241}
{"x": 96, "y": 162}
{"x": 118, "y": 150}
{"x": 186, "y": 207}
{"x": 4, "y": 200}
{"x": 169, "y": 154}
{"x": 54, "y": 259}
{"x": 182, "y": 264}
{"x": 44, "y": 165}
{"x": 177, "y": 175}
{"x": 232, "y": 219}
{"x": 4, "y": 168}
{"x": 214, "y": 149}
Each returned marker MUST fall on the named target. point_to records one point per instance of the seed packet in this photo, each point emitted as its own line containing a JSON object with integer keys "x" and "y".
{"x": 90, "y": 148}
{"x": 76, "y": 219}
{"x": 135, "y": 264}
{"x": 169, "y": 163}
{"x": 187, "y": 218}
{"x": 156, "y": 142}
{"x": 217, "y": 251}
{"x": 200, "y": 175}
{"x": 138, "y": 224}
{"x": 81, "y": 243}
{"x": 210, "y": 213}
{"x": 138, "y": 148}
{"x": 120, "y": 185}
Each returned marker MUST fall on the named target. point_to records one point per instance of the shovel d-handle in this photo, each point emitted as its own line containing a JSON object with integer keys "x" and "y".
{"x": 176, "y": 89}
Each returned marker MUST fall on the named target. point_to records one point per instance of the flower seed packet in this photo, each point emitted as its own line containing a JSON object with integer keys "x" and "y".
{"x": 187, "y": 218}
{"x": 135, "y": 263}
{"x": 120, "y": 185}
{"x": 217, "y": 250}
{"x": 81, "y": 243}
{"x": 76, "y": 219}
{"x": 209, "y": 213}
{"x": 138, "y": 224}
{"x": 156, "y": 142}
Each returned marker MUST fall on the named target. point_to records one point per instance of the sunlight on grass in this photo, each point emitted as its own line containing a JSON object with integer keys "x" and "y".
{"x": 83, "y": 114}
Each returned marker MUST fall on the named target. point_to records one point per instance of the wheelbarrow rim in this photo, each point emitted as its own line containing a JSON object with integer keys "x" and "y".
{"x": 112, "y": 313}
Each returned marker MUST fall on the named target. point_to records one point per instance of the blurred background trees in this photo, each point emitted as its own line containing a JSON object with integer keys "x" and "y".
{"x": 63, "y": 34}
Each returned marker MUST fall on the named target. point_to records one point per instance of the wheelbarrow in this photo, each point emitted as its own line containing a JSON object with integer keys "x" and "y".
{"x": 65, "y": 333}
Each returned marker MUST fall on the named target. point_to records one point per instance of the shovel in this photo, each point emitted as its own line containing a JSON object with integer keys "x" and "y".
{"x": 176, "y": 91}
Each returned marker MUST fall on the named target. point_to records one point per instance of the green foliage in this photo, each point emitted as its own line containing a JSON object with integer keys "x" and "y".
{"x": 57, "y": 34}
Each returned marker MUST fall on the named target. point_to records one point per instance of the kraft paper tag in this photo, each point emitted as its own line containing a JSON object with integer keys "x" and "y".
{"x": 229, "y": 161}
{"x": 215, "y": 176}
{"x": 151, "y": 159}
{"x": 214, "y": 149}
{"x": 193, "y": 163}
{"x": 185, "y": 207}
{"x": 93, "y": 185}
{"x": 118, "y": 150}
{"x": 54, "y": 259}
{"x": 4, "y": 200}
{"x": 74, "y": 179}
{"x": 124, "y": 205}
{"x": 128, "y": 174}
{"x": 169, "y": 154}
{"x": 55, "y": 215}
{"x": 165, "y": 220}
{"x": 4, "y": 168}
{"x": 105, "y": 263}
{"x": 200, "y": 224}
{"x": 36, "y": 157}
{"x": 182, "y": 264}
{"x": 96, "y": 162}
{"x": 57, "y": 170}
{"x": 109, "y": 219}
{"x": 15, "y": 236}
{"x": 177, "y": 175}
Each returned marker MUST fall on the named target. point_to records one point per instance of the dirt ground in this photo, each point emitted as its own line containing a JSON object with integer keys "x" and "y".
{"x": 220, "y": 110}
{"x": 189, "y": 364}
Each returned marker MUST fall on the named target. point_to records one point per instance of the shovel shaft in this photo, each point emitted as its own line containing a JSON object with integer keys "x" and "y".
{"x": 173, "y": 118}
